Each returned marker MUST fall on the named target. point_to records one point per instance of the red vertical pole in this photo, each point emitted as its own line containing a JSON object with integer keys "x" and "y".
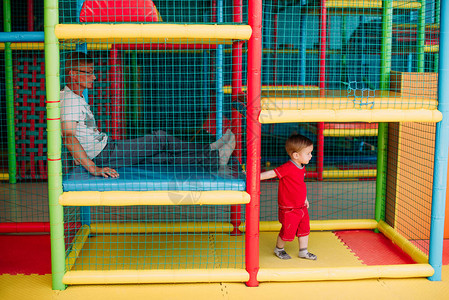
{"x": 30, "y": 15}
{"x": 116, "y": 94}
{"x": 23, "y": 130}
{"x": 40, "y": 149}
{"x": 323, "y": 34}
{"x": 32, "y": 123}
{"x": 320, "y": 151}
{"x": 322, "y": 85}
{"x": 253, "y": 141}
{"x": 236, "y": 91}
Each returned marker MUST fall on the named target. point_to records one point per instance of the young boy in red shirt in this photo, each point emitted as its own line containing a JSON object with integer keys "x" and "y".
{"x": 292, "y": 197}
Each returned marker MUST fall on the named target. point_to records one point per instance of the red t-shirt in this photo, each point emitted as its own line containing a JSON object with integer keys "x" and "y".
{"x": 292, "y": 190}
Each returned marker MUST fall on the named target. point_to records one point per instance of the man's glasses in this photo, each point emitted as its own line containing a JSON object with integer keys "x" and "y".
{"x": 85, "y": 72}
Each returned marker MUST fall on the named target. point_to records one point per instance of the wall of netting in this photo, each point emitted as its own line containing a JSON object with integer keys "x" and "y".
{"x": 410, "y": 179}
{"x": 172, "y": 11}
{"x": 24, "y": 190}
{"x": 333, "y": 198}
{"x": 154, "y": 238}
{"x": 154, "y": 98}
{"x": 172, "y": 90}
{"x": 141, "y": 89}
{"x": 351, "y": 62}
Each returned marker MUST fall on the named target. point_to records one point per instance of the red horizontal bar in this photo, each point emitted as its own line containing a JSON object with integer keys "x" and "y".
{"x": 28, "y": 227}
{"x": 312, "y": 174}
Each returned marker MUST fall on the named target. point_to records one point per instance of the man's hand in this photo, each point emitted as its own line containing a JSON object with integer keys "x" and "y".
{"x": 307, "y": 203}
{"x": 105, "y": 172}
{"x": 78, "y": 153}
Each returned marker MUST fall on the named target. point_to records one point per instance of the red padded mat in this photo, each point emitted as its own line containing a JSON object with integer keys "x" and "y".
{"x": 373, "y": 248}
{"x": 25, "y": 254}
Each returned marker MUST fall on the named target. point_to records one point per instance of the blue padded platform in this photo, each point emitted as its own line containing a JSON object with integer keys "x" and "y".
{"x": 153, "y": 178}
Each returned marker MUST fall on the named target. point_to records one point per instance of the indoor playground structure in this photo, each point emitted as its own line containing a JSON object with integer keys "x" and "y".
{"x": 364, "y": 80}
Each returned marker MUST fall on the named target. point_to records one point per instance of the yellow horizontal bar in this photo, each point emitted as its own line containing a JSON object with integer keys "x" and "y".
{"x": 349, "y": 115}
{"x": 432, "y": 48}
{"x": 322, "y": 225}
{"x": 415, "y": 253}
{"x": 156, "y": 32}
{"x": 362, "y": 173}
{"x": 345, "y": 273}
{"x": 415, "y": 26}
{"x": 339, "y": 103}
{"x": 62, "y": 46}
{"x": 338, "y": 132}
{"x": 228, "y": 89}
{"x": 4, "y": 176}
{"x": 370, "y": 4}
{"x": 349, "y": 132}
{"x": 123, "y": 198}
{"x": 155, "y": 276}
{"x": 80, "y": 238}
{"x": 158, "y": 227}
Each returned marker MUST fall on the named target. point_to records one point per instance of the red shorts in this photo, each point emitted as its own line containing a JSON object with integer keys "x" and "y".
{"x": 295, "y": 222}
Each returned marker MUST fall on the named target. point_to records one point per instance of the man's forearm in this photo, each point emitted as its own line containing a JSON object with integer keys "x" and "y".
{"x": 78, "y": 152}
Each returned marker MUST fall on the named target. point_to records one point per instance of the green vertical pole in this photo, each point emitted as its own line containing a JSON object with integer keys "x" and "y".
{"x": 52, "y": 81}
{"x": 382, "y": 137}
{"x": 10, "y": 128}
{"x": 421, "y": 36}
{"x": 385, "y": 56}
{"x": 436, "y": 57}
{"x": 382, "y": 142}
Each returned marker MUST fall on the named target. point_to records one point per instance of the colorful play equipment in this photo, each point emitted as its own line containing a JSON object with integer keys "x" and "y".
{"x": 24, "y": 125}
{"x": 197, "y": 69}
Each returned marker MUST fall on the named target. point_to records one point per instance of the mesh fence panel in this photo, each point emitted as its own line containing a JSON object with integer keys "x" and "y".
{"x": 165, "y": 115}
{"x": 410, "y": 178}
{"x": 165, "y": 237}
{"x": 344, "y": 55}
{"x": 333, "y": 56}
{"x": 24, "y": 194}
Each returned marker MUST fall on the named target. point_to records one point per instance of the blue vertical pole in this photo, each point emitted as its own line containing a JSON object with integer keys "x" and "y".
{"x": 220, "y": 95}
{"x": 410, "y": 62}
{"x": 363, "y": 45}
{"x": 302, "y": 49}
{"x": 441, "y": 151}
{"x": 84, "y": 210}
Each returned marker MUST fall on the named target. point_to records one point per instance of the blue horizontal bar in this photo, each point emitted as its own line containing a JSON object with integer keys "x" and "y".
{"x": 21, "y": 36}
{"x": 153, "y": 178}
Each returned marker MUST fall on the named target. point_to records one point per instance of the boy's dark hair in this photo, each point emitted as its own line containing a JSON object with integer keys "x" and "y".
{"x": 75, "y": 59}
{"x": 297, "y": 142}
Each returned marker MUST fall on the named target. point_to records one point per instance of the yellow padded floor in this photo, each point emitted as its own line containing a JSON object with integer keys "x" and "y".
{"x": 330, "y": 251}
{"x": 110, "y": 252}
{"x": 140, "y": 252}
{"x": 31, "y": 287}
